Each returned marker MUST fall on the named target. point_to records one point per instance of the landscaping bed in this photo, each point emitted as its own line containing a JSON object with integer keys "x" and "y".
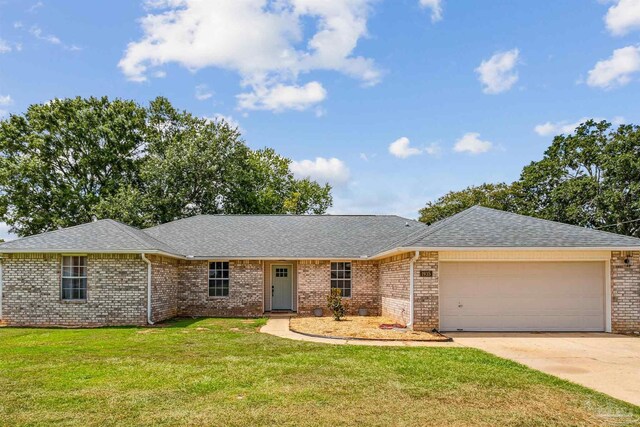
{"x": 359, "y": 327}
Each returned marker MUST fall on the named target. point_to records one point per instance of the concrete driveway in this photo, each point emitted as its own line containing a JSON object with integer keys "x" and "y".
{"x": 604, "y": 362}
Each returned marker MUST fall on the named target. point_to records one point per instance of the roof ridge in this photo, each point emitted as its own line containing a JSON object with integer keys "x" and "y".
{"x": 439, "y": 224}
{"x": 580, "y": 227}
{"x": 127, "y": 229}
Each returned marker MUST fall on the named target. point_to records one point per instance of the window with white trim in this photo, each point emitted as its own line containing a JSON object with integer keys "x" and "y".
{"x": 341, "y": 277}
{"x": 74, "y": 278}
{"x": 219, "y": 279}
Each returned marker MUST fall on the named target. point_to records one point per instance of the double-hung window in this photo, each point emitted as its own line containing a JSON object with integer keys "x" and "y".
{"x": 74, "y": 278}
{"x": 219, "y": 279}
{"x": 341, "y": 277}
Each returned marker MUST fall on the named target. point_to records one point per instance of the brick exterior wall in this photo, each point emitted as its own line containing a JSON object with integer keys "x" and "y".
{"x": 246, "y": 284}
{"x": 116, "y": 291}
{"x": 426, "y": 293}
{"x": 394, "y": 287}
{"x": 314, "y": 285}
{"x": 625, "y": 292}
{"x": 164, "y": 287}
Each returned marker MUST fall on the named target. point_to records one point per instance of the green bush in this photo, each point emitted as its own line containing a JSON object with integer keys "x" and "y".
{"x": 335, "y": 303}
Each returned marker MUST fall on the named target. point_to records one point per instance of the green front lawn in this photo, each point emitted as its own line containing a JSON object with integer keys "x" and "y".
{"x": 223, "y": 372}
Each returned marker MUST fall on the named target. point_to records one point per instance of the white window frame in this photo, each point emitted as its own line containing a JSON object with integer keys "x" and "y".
{"x": 228, "y": 278}
{"x": 331, "y": 279}
{"x": 63, "y": 277}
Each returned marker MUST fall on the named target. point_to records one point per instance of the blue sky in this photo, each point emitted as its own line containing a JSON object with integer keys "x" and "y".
{"x": 394, "y": 102}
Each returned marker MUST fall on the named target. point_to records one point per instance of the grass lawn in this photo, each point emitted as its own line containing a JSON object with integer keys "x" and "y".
{"x": 223, "y": 372}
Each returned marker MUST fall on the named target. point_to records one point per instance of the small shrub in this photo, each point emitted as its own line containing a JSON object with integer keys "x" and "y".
{"x": 335, "y": 303}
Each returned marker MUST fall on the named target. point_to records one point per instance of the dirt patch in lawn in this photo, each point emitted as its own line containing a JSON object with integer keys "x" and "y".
{"x": 364, "y": 327}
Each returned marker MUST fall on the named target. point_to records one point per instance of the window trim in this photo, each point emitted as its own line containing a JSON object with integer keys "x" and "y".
{"x": 85, "y": 277}
{"x": 350, "y": 279}
{"x": 209, "y": 279}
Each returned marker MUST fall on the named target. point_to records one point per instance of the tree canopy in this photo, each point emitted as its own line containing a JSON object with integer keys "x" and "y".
{"x": 72, "y": 161}
{"x": 589, "y": 178}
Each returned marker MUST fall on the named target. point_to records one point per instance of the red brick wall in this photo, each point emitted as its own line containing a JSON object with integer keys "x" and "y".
{"x": 164, "y": 287}
{"x": 314, "y": 285}
{"x": 394, "y": 287}
{"x": 246, "y": 287}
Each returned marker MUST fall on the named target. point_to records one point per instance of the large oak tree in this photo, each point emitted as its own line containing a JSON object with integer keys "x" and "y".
{"x": 72, "y": 161}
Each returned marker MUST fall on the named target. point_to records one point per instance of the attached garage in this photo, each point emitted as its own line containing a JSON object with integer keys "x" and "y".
{"x": 522, "y": 296}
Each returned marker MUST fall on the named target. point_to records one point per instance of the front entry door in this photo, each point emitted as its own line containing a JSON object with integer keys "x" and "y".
{"x": 281, "y": 287}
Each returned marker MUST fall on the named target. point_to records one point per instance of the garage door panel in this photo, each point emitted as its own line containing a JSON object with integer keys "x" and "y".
{"x": 522, "y": 296}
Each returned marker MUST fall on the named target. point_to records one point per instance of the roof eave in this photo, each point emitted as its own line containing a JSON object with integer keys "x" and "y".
{"x": 401, "y": 249}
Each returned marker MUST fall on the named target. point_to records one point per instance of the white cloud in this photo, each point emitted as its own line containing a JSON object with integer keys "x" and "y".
{"x": 566, "y": 127}
{"x": 5, "y": 100}
{"x": 433, "y": 149}
{"x": 5, "y": 47}
{"x": 203, "y": 93}
{"x": 623, "y": 17}
{"x": 282, "y": 97}
{"x": 35, "y": 7}
{"x": 229, "y": 119}
{"x": 402, "y": 149}
{"x": 436, "y": 8}
{"x": 617, "y": 70}
{"x": 498, "y": 74}
{"x": 4, "y": 232}
{"x": 334, "y": 171}
{"x": 471, "y": 143}
{"x": 39, "y": 34}
{"x": 264, "y": 41}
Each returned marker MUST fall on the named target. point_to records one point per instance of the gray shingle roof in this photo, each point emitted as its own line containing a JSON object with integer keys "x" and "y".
{"x": 319, "y": 236}
{"x": 286, "y": 236}
{"x": 104, "y": 235}
{"x": 484, "y": 227}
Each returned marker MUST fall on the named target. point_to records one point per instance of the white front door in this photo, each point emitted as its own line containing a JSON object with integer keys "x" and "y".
{"x": 522, "y": 296}
{"x": 281, "y": 288}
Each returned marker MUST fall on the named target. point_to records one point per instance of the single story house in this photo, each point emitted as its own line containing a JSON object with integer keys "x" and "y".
{"x": 479, "y": 270}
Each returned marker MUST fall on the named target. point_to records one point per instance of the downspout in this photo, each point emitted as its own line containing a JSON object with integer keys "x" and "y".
{"x": 149, "y": 315}
{"x": 413, "y": 260}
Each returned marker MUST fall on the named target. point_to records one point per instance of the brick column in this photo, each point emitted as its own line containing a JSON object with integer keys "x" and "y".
{"x": 426, "y": 293}
{"x": 625, "y": 292}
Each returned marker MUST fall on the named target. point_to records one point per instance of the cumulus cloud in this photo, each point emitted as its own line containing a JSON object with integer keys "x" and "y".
{"x": 471, "y": 143}
{"x": 203, "y": 93}
{"x": 497, "y": 74}
{"x": 557, "y": 128}
{"x": 617, "y": 70}
{"x": 623, "y": 17}
{"x": 436, "y": 8}
{"x": 5, "y": 100}
{"x": 264, "y": 41}
{"x": 334, "y": 171}
{"x": 283, "y": 97}
{"x": 402, "y": 149}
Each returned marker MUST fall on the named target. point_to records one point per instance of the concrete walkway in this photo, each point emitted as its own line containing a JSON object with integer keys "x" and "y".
{"x": 279, "y": 327}
{"x": 604, "y": 362}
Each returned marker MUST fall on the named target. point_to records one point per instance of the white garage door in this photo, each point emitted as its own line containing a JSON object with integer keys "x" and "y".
{"x": 522, "y": 296}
